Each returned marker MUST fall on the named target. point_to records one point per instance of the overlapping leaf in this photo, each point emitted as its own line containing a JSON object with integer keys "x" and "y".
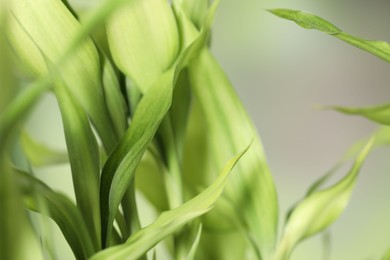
{"x": 380, "y": 49}
{"x": 143, "y": 40}
{"x": 319, "y": 209}
{"x": 119, "y": 170}
{"x": 84, "y": 158}
{"x": 35, "y": 39}
{"x": 16, "y": 240}
{"x": 170, "y": 221}
{"x": 61, "y": 210}
{"x": 226, "y": 126}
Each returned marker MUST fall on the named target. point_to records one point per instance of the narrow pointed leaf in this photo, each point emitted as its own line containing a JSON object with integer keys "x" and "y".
{"x": 39, "y": 154}
{"x": 380, "y": 49}
{"x": 115, "y": 102}
{"x": 379, "y": 114}
{"x": 35, "y": 40}
{"x": 225, "y": 127}
{"x": 195, "y": 244}
{"x": 61, "y": 210}
{"x": 144, "y": 25}
{"x": 319, "y": 210}
{"x": 170, "y": 221}
{"x": 84, "y": 160}
{"x": 228, "y": 126}
{"x": 119, "y": 169}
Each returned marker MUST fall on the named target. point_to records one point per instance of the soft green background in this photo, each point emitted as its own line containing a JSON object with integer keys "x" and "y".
{"x": 281, "y": 72}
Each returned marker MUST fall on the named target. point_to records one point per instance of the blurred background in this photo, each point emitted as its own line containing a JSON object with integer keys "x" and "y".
{"x": 281, "y": 72}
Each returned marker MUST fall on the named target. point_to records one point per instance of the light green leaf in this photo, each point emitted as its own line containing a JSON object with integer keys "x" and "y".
{"x": 119, "y": 169}
{"x": 196, "y": 10}
{"x": 379, "y": 114}
{"x": 380, "y": 49}
{"x": 39, "y": 154}
{"x": 170, "y": 221}
{"x": 16, "y": 240}
{"x": 116, "y": 103}
{"x": 195, "y": 244}
{"x": 61, "y": 210}
{"x": 84, "y": 160}
{"x": 143, "y": 40}
{"x": 319, "y": 210}
{"x": 36, "y": 28}
{"x": 227, "y": 126}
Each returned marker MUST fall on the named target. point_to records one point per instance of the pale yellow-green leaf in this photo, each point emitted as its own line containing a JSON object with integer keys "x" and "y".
{"x": 319, "y": 210}
{"x": 379, "y": 114}
{"x": 42, "y": 30}
{"x": 116, "y": 103}
{"x": 226, "y": 126}
{"x": 380, "y": 49}
{"x": 170, "y": 221}
{"x": 195, "y": 9}
{"x": 143, "y": 40}
{"x": 16, "y": 240}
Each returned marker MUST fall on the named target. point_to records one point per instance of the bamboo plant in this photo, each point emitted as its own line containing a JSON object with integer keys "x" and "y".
{"x": 146, "y": 108}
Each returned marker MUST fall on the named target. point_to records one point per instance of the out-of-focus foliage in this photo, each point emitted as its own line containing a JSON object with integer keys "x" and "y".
{"x": 145, "y": 107}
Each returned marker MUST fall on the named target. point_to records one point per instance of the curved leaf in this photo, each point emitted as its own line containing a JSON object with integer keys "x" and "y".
{"x": 61, "y": 210}
{"x": 319, "y": 210}
{"x": 84, "y": 160}
{"x": 380, "y": 49}
{"x": 35, "y": 30}
{"x": 379, "y": 114}
{"x": 143, "y": 40}
{"x": 119, "y": 169}
{"x": 170, "y": 221}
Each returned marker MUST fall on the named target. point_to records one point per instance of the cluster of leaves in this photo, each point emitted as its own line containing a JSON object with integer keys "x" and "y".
{"x": 145, "y": 107}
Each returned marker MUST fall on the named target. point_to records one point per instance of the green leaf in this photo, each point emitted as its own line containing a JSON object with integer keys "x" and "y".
{"x": 170, "y": 221}
{"x": 196, "y": 10}
{"x": 227, "y": 126}
{"x": 143, "y": 40}
{"x": 61, "y": 210}
{"x": 116, "y": 103}
{"x": 380, "y": 49}
{"x": 195, "y": 244}
{"x": 84, "y": 160}
{"x": 319, "y": 210}
{"x": 379, "y": 114}
{"x": 119, "y": 169}
{"x": 16, "y": 240}
{"x": 39, "y": 154}
{"x": 35, "y": 30}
